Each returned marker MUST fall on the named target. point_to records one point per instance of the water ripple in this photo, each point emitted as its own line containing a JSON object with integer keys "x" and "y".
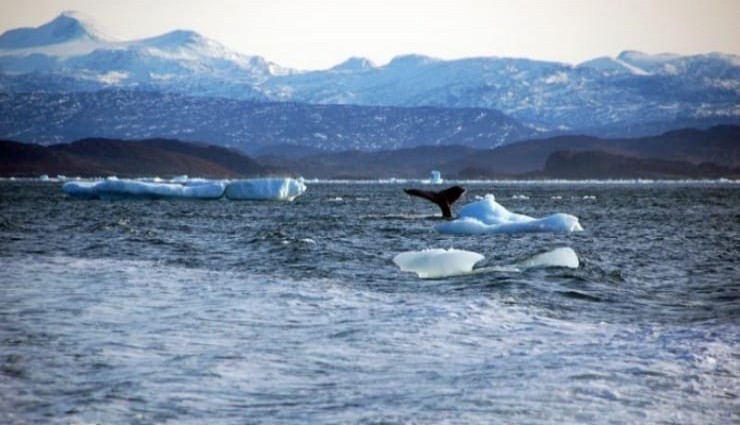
{"x": 227, "y": 312}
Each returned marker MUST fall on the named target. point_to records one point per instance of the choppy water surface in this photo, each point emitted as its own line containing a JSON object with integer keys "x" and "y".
{"x": 227, "y": 312}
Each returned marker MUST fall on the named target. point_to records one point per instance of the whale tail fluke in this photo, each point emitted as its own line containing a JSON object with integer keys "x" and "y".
{"x": 443, "y": 198}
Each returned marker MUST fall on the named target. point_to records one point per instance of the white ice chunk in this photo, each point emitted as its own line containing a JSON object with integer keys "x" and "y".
{"x": 212, "y": 190}
{"x": 488, "y": 216}
{"x": 433, "y": 263}
{"x": 436, "y": 177}
{"x": 80, "y": 189}
{"x": 437, "y": 263}
{"x": 281, "y": 189}
{"x": 558, "y": 257}
{"x": 115, "y": 188}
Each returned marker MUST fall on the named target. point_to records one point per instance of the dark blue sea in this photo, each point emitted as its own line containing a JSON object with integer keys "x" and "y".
{"x": 239, "y": 312}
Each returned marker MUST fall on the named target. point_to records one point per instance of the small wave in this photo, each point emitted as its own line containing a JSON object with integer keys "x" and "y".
{"x": 580, "y": 296}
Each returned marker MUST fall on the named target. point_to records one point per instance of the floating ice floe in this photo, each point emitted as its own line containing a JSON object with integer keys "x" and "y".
{"x": 279, "y": 189}
{"x": 558, "y": 257}
{"x": 116, "y": 189}
{"x": 431, "y": 263}
{"x": 438, "y": 263}
{"x": 488, "y": 216}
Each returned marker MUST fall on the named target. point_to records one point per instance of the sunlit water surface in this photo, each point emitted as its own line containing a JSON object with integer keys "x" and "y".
{"x": 223, "y": 312}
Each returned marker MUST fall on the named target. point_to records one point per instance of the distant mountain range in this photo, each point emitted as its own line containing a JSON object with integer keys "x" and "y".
{"x": 644, "y": 157}
{"x": 631, "y": 95}
{"x": 711, "y": 153}
{"x": 247, "y": 125}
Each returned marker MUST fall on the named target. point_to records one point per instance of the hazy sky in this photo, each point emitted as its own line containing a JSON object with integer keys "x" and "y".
{"x": 314, "y": 34}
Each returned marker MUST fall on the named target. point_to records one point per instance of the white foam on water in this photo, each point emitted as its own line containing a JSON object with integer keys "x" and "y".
{"x": 218, "y": 338}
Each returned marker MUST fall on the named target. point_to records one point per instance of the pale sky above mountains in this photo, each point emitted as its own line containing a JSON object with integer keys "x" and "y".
{"x": 313, "y": 34}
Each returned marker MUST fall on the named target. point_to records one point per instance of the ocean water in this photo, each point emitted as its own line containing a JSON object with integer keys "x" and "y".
{"x": 223, "y": 312}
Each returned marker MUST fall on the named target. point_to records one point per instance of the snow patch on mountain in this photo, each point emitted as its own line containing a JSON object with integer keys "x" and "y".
{"x": 69, "y": 26}
{"x": 354, "y": 64}
{"x": 609, "y": 65}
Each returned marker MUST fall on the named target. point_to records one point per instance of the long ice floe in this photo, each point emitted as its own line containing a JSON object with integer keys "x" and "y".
{"x": 116, "y": 189}
{"x": 283, "y": 189}
{"x": 438, "y": 263}
{"x": 112, "y": 188}
{"x": 488, "y": 216}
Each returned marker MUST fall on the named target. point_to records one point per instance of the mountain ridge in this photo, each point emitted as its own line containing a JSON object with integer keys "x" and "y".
{"x": 68, "y": 26}
{"x": 96, "y": 157}
{"x": 631, "y": 89}
{"x": 719, "y": 145}
{"x": 687, "y": 153}
{"x": 52, "y": 118}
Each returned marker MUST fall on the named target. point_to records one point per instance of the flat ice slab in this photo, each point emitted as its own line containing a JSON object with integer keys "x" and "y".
{"x": 431, "y": 263}
{"x": 488, "y": 216}
{"x": 115, "y": 189}
{"x": 279, "y": 189}
{"x": 284, "y": 189}
{"x": 439, "y": 263}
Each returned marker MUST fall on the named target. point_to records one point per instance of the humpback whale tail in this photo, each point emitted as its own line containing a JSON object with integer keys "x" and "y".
{"x": 443, "y": 198}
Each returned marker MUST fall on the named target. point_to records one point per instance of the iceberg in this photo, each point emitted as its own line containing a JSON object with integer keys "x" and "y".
{"x": 436, "y": 177}
{"x": 558, "y": 257}
{"x": 116, "y": 189}
{"x": 81, "y": 189}
{"x": 280, "y": 189}
{"x": 184, "y": 187}
{"x": 488, "y": 216}
{"x": 434, "y": 263}
{"x": 439, "y": 263}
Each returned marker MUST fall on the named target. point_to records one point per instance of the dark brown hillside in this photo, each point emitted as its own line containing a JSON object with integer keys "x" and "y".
{"x": 688, "y": 148}
{"x": 101, "y": 157}
{"x": 602, "y": 165}
{"x": 719, "y": 145}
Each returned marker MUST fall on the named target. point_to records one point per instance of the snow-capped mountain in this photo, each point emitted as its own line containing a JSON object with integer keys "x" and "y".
{"x": 72, "y": 55}
{"x": 69, "y": 27}
{"x": 632, "y": 90}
